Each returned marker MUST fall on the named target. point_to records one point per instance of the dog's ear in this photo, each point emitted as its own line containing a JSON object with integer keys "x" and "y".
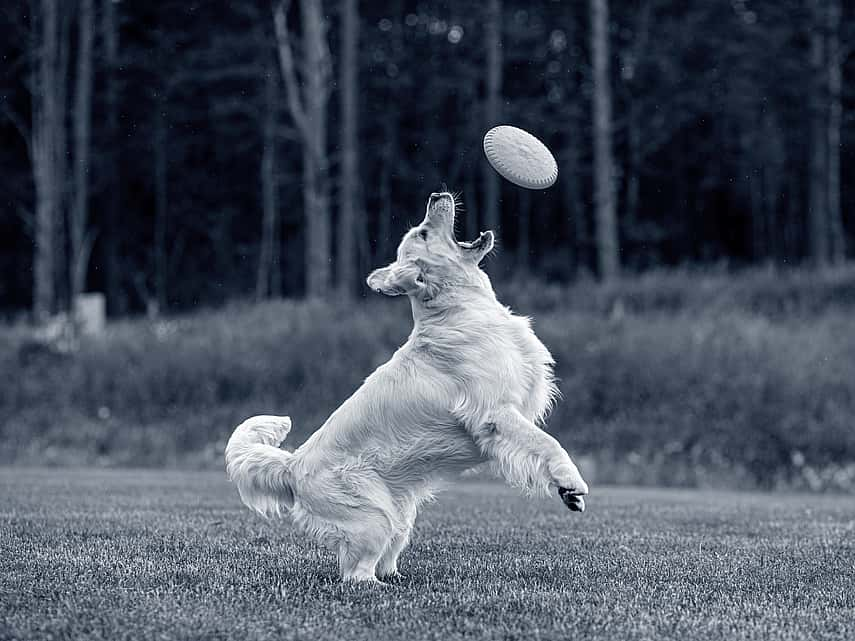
{"x": 475, "y": 250}
{"x": 397, "y": 279}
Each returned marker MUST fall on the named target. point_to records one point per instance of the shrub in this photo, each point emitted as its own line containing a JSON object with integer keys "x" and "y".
{"x": 675, "y": 378}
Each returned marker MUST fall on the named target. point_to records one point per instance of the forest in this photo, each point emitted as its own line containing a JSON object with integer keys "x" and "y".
{"x": 180, "y": 153}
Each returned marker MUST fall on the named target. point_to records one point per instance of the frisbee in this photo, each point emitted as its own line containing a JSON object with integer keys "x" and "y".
{"x": 520, "y": 157}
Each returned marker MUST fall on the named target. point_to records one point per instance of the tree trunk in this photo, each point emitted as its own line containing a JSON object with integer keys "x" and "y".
{"x": 309, "y": 111}
{"x": 316, "y": 187}
{"x": 771, "y": 184}
{"x": 46, "y": 111}
{"x": 837, "y": 240}
{"x": 80, "y": 242}
{"x": 161, "y": 208}
{"x": 348, "y": 210}
{"x": 604, "y": 192}
{"x": 493, "y": 108}
{"x": 749, "y": 150}
{"x": 634, "y": 168}
{"x": 61, "y": 254}
{"x": 818, "y": 186}
{"x": 634, "y": 60}
{"x": 109, "y": 224}
{"x": 268, "y": 262}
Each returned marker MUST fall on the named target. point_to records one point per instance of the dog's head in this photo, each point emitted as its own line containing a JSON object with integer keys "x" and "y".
{"x": 431, "y": 261}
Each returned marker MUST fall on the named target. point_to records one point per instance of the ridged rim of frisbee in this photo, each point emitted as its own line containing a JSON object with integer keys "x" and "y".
{"x": 496, "y": 161}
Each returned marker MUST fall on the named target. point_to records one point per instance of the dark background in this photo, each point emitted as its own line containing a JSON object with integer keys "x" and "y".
{"x": 726, "y": 122}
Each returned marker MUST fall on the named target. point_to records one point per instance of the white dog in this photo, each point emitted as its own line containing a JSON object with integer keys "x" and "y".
{"x": 470, "y": 386}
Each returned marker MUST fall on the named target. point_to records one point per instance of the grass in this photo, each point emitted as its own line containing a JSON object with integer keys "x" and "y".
{"x": 688, "y": 379}
{"x": 121, "y": 554}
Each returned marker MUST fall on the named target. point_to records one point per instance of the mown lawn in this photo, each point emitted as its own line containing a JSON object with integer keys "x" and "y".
{"x": 120, "y": 554}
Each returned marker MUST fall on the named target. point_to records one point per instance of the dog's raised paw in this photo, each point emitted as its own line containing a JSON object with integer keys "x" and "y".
{"x": 572, "y": 499}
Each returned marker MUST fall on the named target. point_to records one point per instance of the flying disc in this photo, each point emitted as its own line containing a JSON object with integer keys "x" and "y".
{"x": 520, "y": 157}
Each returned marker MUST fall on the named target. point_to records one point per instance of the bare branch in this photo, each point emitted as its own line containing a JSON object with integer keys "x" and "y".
{"x": 286, "y": 64}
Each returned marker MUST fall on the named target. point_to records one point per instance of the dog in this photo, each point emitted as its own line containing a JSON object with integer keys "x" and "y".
{"x": 471, "y": 386}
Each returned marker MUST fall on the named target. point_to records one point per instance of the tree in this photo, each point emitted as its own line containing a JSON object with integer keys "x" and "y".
{"x": 818, "y": 218}
{"x": 112, "y": 182}
{"x": 632, "y": 60}
{"x": 308, "y": 109}
{"x": 81, "y": 239}
{"x": 160, "y": 172}
{"x": 826, "y": 235}
{"x": 835, "y": 115}
{"x": 349, "y": 209}
{"x": 268, "y": 280}
{"x": 47, "y": 119}
{"x": 61, "y": 259}
{"x": 604, "y": 188}
{"x": 493, "y": 108}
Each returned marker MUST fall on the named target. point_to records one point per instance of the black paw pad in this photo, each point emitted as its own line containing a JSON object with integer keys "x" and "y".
{"x": 572, "y": 500}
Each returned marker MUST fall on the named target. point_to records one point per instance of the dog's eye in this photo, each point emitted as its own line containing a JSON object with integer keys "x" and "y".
{"x": 423, "y": 234}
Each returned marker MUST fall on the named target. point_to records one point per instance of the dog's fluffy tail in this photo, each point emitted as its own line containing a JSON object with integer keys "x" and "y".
{"x": 261, "y": 471}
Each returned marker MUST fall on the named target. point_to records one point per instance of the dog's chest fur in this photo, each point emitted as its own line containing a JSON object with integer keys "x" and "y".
{"x": 491, "y": 357}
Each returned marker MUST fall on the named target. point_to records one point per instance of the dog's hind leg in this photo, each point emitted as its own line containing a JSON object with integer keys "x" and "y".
{"x": 388, "y": 564}
{"x": 369, "y": 524}
{"x": 530, "y": 458}
{"x": 358, "y": 557}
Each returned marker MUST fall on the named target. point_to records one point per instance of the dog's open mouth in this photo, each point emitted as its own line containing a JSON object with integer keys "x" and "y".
{"x": 478, "y": 243}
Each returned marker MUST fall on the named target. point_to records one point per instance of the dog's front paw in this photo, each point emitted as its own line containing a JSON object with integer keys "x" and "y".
{"x": 566, "y": 475}
{"x": 572, "y": 498}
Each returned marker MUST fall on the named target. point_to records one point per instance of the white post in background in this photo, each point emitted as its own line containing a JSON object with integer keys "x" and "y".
{"x": 90, "y": 313}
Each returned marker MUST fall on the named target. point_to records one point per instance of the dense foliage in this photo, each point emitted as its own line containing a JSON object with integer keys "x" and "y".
{"x": 678, "y": 379}
{"x": 713, "y": 136}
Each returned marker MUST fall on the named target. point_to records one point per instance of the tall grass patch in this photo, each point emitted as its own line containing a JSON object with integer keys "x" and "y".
{"x": 672, "y": 378}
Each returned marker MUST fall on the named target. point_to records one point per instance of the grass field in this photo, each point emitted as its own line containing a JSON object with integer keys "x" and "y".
{"x": 114, "y": 554}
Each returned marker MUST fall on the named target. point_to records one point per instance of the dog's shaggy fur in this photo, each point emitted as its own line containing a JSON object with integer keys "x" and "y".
{"x": 471, "y": 385}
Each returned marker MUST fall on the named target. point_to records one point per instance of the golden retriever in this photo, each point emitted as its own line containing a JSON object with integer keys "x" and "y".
{"x": 471, "y": 385}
